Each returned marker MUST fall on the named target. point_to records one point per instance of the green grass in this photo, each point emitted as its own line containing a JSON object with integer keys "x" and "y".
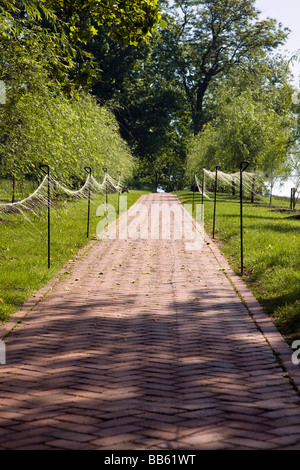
{"x": 271, "y": 252}
{"x": 271, "y": 249}
{"x": 22, "y": 189}
{"x": 23, "y": 246}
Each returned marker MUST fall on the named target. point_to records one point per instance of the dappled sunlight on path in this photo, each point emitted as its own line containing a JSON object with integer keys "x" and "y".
{"x": 144, "y": 345}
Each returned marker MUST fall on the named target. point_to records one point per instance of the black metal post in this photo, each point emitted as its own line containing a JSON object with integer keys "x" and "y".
{"x": 271, "y": 194}
{"x": 243, "y": 167}
{"x": 293, "y": 199}
{"x": 105, "y": 171}
{"x": 194, "y": 193}
{"x": 89, "y": 171}
{"x": 203, "y": 182}
{"x": 215, "y": 202}
{"x": 46, "y": 169}
{"x": 119, "y": 173}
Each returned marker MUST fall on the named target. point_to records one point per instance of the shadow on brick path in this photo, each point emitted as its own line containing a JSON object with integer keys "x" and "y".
{"x": 146, "y": 345}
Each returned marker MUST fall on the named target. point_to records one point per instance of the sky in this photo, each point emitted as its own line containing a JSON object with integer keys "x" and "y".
{"x": 286, "y": 12}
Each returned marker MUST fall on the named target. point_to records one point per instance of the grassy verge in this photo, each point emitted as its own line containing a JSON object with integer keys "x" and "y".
{"x": 23, "y": 246}
{"x": 271, "y": 252}
{"x": 22, "y": 189}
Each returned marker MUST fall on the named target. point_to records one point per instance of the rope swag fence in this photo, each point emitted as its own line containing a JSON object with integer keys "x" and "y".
{"x": 241, "y": 179}
{"x": 252, "y": 182}
{"x": 50, "y": 190}
{"x": 40, "y": 196}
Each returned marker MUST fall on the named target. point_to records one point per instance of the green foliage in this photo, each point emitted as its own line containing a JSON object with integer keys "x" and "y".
{"x": 166, "y": 90}
{"x": 30, "y": 8}
{"x": 23, "y": 252}
{"x": 32, "y": 54}
{"x": 252, "y": 121}
{"x": 160, "y": 92}
{"x": 46, "y": 117}
{"x": 148, "y": 101}
{"x": 66, "y": 134}
{"x": 271, "y": 252}
{"x": 218, "y": 37}
{"x": 130, "y": 21}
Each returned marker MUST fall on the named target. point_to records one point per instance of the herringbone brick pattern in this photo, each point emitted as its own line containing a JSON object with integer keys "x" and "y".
{"x": 145, "y": 345}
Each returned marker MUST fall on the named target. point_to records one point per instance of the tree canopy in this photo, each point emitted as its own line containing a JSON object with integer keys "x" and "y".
{"x": 165, "y": 73}
{"x": 130, "y": 21}
{"x": 216, "y": 37}
{"x": 42, "y": 120}
{"x": 252, "y": 121}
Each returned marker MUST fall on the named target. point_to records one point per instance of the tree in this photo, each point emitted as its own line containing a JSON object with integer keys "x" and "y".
{"x": 70, "y": 24}
{"x": 252, "y": 121}
{"x": 65, "y": 134}
{"x": 143, "y": 88}
{"x": 295, "y": 158}
{"x": 40, "y": 122}
{"x": 130, "y": 21}
{"x": 216, "y": 37}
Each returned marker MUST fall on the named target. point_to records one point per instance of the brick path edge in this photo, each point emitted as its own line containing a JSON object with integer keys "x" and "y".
{"x": 276, "y": 341}
{"x": 16, "y": 317}
{"x": 280, "y": 348}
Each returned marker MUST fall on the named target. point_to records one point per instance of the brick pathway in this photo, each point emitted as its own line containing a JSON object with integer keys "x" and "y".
{"x": 146, "y": 345}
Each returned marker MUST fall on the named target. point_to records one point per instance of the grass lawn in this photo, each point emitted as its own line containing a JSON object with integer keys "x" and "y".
{"x": 271, "y": 252}
{"x": 23, "y": 246}
{"x": 22, "y": 189}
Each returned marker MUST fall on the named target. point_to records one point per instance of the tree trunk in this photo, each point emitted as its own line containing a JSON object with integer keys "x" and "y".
{"x": 13, "y": 189}
{"x": 271, "y": 191}
{"x": 233, "y": 187}
{"x": 198, "y": 117}
{"x": 293, "y": 199}
{"x": 253, "y": 188}
{"x": 156, "y": 181}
